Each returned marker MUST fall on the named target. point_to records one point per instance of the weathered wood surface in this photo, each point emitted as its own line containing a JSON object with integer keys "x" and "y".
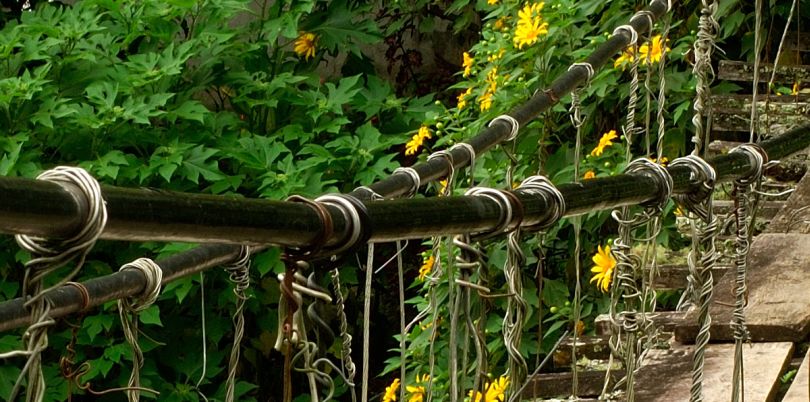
{"x": 778, "y": 299}
{"x": 666, "y": 375}
{"x": 558, "y": 385}
{"x": 799, "y": 390}
{"x": 795, "y": 216}
{"x": 592, "y": 347}
{"x": 665, "y": 321}
{"x": 742, "y": 71}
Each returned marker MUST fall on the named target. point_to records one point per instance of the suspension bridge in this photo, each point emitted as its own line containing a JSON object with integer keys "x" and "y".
{"x": 734, "y": 338}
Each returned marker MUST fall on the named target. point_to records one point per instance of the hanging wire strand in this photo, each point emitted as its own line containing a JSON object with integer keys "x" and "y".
{"x": 48, "y": 257}
{"x": 129, "y": 308}
{"x": 239, "y": 275}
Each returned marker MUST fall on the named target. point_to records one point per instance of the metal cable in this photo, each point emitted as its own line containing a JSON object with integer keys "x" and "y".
{"x": 128, "y": 309}
{"x": 703, "y": 71}
{"x": 239, "y": 275}
{"x": 47, "y": 257}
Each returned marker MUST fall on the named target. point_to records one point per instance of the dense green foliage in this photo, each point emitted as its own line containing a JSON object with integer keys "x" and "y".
{"x": 222, "y": 97}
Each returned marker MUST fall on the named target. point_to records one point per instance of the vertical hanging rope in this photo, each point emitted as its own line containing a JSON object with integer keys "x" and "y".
{"x": 239, "y": 274}
{"x": 662, "y": 94}
{"x": 754, "y": 137}
{"x": 742, "y": 190}
{"x": 128, "y": 310}
{"x": 575, "y": 113}
{"x": 701, "y": 259}
{"x": 704, "y": 73}
{"x": 630, "y": 122}
{"x": 48, "y": 256}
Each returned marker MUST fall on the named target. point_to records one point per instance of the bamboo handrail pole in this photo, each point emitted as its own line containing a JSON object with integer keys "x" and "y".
{"x": 590, "y": 195}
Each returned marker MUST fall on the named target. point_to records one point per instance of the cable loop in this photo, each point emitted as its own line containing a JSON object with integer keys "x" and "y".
{"x": 372, "y": 195}
{"x": 758, "y": 157}
{"x": 415, "y": 179}
{"x": 645, "y": 14}
{"x": 588, "y": 70}
{"x": 326, "y": 232}
{"x": 467, "y": 147}
{"x": 153, "y": 275}
{"x": 630, "y": 30}
{"x": 356, "y": 216}
{"x": 660, "y": 174}
{"x": 83, "y": 292}
{"x": 506, "y": 209}
{"x": 542, "y": 186}
{"x": 513, "y": 124}
{"x": 448, "y": 157}
{"x": 58, "y": 252}
{"x": 703, "y": 172}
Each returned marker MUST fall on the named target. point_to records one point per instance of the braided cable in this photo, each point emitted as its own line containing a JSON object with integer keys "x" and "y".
{"x": 662, "y": 94}
{"x": 128, "y": 309}
{"x": 239, "y": 275}
{"x": 755, "y": 84}
{"x": 703, "y": 71}
{"x": 629, "y": 127}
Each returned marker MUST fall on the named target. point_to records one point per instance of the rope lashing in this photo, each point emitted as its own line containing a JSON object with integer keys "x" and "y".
{"x": 630, "y": 30}
{"x": 370, "y": 193}
{"x": 416, "y": 181}
{"x": 48, "y": 256}
{"x": 356, "y": 217}
{"x": 644, "y": 14}
{"x": 742, "y": 189}
{"x": 541, "y": 186}
{"x": 662, "y": 179}
{"x": 511, "y": 211}
{"x": 239, "y": 274}
{"x": 451, "y": 168}
{"x": 514, "y": 126}
{"x": 128, "y": 309}
{"x": 701, "y": 259}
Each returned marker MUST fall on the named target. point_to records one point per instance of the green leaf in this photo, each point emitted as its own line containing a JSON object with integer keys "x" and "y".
{"x": 197, "y": 163}
{"x": 151, "y": 315}
{"x": 190, "y": 110}
{"x": 95, "y": 324}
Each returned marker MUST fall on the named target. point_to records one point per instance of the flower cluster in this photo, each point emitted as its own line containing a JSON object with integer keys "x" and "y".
{"x": 485, "y": 100}
{"x": 417, "y": 391}
{"x": 426, "y": 268}
{"x": 462, "y": 98}
{"x": 391, "y": 391}
{"x": 530, "y": 25}
{"x": 417, "y": 140}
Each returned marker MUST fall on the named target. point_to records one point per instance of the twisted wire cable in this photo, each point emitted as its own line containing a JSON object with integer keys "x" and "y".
{"x": 128, "y": 309}
{"x": 349, "y": 368}
{"x": 514, "y": 317}
{"x": 48, "y": 256}
{"x": 239, "y": 275}
{"x": 701, "y": 259}
{"x": 662, "y": 94}
{"x": 629, "y": 128}
{"x": 703, "y": 71}
{"x": 757, "y": 60}
{"x": 742, "y": 189}
{"x": 468, "y": 260}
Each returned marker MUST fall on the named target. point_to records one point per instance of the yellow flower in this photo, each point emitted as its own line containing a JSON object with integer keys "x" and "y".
{"x": 417, "y": 140}
{"x": 530, "y": 25}
{"x": 625, "y": 58}
{"x": 468, "y": 64}
{"x": 796, "y": 88}
{"x": 653, "y": 50}
{"x": 603, "y": 270}
{"x": 391, "y": 391}
{"x": 305, "y": 45}
{"x": 589, "y": 175}
{"x": 418, "y": 391}
{"x": 427, "y": 268}
{"x": 580, "y": 327}
{"x": 663, "y": 161}
{"x": 497, "y": 56}
{"x": 494, "y": 391}
{"x": 462, "y": 98}
{"x": 485, "y": 101}
{"x": 604, "y": 142}
{"x": 443, "y": 183}
{"x": 492, "y": 2}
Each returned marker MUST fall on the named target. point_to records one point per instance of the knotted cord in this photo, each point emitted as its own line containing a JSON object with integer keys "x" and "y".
{"x": 742, "y": 190}
{"x": 48, "y": 257}
{"x": 128, "y": 310}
